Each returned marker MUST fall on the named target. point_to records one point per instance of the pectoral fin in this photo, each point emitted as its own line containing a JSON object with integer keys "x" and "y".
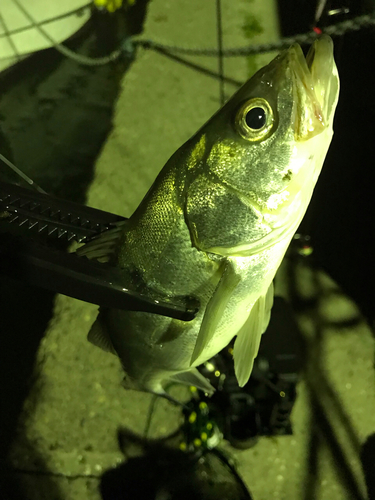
{"x": 248, "y": 338}
{"x": 98, "y": 336}
{"x": 215, "y": 309}
{"x": 103, "y": 246}
{"x": 195, "y": 378}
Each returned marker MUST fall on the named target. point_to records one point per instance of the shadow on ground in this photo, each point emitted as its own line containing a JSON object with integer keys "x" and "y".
{"x": 55, "y": 117}
{"x": 368, "y": 464}
{"x": 329, "y": 417}
{"x": 158, "y": 469}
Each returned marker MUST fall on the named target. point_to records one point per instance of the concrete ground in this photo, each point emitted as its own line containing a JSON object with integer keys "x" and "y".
{"x": 67, "y": 433}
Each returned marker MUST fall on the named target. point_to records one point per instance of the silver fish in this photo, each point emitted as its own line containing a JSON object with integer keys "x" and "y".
{"x": 217, "y": 221}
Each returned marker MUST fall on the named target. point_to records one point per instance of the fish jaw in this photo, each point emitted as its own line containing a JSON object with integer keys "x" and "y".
{"x": 321, "y": 63}
{"x": 309, "y": 119}
{"x": 316, "y": 87}
{"x": 316, "y": 92}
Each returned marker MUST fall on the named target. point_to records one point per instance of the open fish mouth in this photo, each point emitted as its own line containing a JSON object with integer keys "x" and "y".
{"x": 316, "y": 91}
{"x": 321, "y": 64}
{"x": 316, "y": 87}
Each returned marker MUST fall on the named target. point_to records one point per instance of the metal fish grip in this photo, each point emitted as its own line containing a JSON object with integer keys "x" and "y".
{"x": 32, "y": 225}
{"x": 26, "y": 211}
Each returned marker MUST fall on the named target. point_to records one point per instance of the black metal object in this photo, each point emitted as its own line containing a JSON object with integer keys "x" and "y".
{"x": 264, "y": 405}
{"x": 340, "y": 218}
{"x": 156, "y": 469}
{"x": 50, "y": 217}
{"x": 30, "y": 220}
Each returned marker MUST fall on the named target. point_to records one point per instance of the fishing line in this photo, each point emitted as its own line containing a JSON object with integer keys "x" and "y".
{"x": 338, "y": 29}
{"x": 319, "y": 9}
{"x": 22, "y": 174}
{"x": 9, "y": 38}
{"x": 79, "y": 58}
{"x": 131, "y": 43}
{"x": 150, "y": 414}
{"x": 219, "y": 27}
{"x": 229, "y": 463}
{"x": 74, "y": 12}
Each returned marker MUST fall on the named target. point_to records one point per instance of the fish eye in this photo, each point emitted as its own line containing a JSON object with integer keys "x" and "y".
{"x": 254, "y": 119}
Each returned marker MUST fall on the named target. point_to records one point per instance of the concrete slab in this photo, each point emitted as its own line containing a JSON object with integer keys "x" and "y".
{"x": 76, "y": 405}
{"x": 17, "y": 35}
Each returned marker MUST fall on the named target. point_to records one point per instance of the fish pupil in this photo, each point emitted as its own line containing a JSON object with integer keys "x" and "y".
{"x": 255, "y": 118}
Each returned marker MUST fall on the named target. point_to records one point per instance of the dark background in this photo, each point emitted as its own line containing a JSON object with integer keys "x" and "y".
{"x": 55, "y": 116}
{"x": 36, "y": 96}
{"x": 341, "y": 217}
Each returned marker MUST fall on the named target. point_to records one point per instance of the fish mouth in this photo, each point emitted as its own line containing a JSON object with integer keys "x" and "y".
{"x": 316, "y": 86}
{"x": 315, "y": 94}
